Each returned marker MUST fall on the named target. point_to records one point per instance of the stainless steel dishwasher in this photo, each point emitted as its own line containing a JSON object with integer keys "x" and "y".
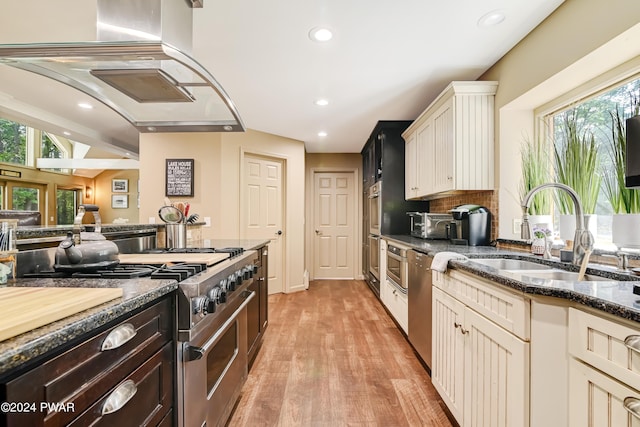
{"x": 420, "y": 304}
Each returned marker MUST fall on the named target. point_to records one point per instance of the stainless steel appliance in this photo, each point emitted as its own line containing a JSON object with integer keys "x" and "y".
{"x": 471, "y": 225}
{"x": 397, "y": 266}
{"x": 375, "y": 208}
{"x": 212, "y": 341}
{"x": 212, "y": 311}
{"x": 419, "y": 304}
{"x": 427, "y": 225}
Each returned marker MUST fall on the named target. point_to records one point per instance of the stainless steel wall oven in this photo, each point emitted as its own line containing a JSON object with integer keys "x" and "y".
{"x": 397, "y": 266}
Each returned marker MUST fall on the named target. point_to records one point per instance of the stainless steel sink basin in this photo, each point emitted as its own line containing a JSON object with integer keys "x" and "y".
{"x": 510, "y": 264}
{"x": 526, "y": 270}
{"x": 558, "y": 275}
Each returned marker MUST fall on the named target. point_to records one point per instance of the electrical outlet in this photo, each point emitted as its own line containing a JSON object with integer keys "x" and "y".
{"x": 152, "y": 220}
{"x": 207, "y": 221}
{"x": 207, "y": 243}
{"x": 517, "y": 224}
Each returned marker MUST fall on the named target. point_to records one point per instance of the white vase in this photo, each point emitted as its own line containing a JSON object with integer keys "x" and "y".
{"x": 626, "y": 230}
{"x": 568, "y": 225}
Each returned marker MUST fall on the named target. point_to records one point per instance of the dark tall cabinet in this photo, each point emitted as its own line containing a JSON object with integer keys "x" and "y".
{"x": 383, "y": 161}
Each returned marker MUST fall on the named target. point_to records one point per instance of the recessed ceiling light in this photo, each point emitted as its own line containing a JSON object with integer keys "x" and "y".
{"x": 85, "y": 105}
{"x": 322, "y": 134}
{"x": 321, "y": 102}
{"x": 320, "y": 34}
{"x": 67, "y": 133}
{"x": 491, "y": 19}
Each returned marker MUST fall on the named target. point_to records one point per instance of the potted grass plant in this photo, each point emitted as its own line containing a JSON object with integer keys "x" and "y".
{"x": 536, "y": 170}
{"x": 624, "y": 201}
{"x": 578, "y": 166}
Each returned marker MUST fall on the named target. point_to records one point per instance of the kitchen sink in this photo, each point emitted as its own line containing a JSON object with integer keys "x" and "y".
{"x": 553, "y": 274}
{"x": 526, "y": 270}
{"x": 510, "y": 264}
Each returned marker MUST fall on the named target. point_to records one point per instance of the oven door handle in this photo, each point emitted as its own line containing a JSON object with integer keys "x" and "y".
{"x": 195, "y": 353}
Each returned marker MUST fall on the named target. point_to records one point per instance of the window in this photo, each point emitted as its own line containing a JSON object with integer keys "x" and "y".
{"x": 25, "y": 199}
{"x": 592, "y": 118}
{"x": 52, "y": 148}
{"x": 13, "y": 142}
{"x": 67, "y": 205}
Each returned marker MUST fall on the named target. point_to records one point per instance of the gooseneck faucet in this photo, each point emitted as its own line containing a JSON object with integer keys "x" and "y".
{"x": 583, "y": 239}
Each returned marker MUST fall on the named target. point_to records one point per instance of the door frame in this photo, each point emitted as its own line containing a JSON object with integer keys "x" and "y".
{"x": 285, "y": 238}
{"x": 357, "y": 213}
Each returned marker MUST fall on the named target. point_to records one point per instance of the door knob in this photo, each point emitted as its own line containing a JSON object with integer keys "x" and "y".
{"x": 279, "y": 232}
{"x": 318, "y": 232}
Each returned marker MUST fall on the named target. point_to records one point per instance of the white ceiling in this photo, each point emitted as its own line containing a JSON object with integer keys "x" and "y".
{"x": 386, "y": 61}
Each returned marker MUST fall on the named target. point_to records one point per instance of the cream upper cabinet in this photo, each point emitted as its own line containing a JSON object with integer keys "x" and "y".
{"x": 480, "y": 352}
{"x": 410, "y": 169}
{"x": 454, "y": 142}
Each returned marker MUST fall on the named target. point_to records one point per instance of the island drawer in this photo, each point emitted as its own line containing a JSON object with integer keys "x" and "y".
{"x": 610, "y": 346}
{"x": 84, "y": 373}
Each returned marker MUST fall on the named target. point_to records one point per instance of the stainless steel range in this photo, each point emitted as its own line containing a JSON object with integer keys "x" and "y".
{"x": 212, "y": 305}
{"x": 212, "y": 340}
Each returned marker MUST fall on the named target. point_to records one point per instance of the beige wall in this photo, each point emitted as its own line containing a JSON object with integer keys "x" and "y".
{"x": 217, "y": 159}
{"x": 333, "y": 162}
{"x": 102, "y": 195}
{"x": 581, "y": 40}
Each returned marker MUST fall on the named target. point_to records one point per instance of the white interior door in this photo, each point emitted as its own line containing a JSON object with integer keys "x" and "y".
{"x": 334, "y": 225}
{"x": 262, "y": 210}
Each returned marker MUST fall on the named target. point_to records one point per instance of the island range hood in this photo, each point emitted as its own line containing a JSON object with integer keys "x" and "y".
{"x": 139, "y": 66}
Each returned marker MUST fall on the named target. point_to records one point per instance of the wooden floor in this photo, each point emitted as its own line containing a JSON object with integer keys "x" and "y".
{"x": 332, "y": 356}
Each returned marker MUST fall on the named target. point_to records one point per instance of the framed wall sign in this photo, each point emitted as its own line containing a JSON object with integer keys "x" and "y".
{"x": 119, "y": 201}
{"x": 119, "y": 185}
{"x": 179, "y": 177}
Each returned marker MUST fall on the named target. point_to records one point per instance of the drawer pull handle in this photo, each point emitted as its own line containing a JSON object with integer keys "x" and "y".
{"x": 120, "y": 396}
{"x": 633, "y": 342}
{"x": 632, "y": 405}
{"x": 119, "y": 336}
{"x": 457, "y": 325}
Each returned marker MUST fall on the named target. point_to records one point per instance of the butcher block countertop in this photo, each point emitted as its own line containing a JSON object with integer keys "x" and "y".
{"x": 30, "y": 346}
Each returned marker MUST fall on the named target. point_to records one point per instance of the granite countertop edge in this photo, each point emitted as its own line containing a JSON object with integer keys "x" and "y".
{"x": 616, "y": 297}
{"x": 26, "y": 347}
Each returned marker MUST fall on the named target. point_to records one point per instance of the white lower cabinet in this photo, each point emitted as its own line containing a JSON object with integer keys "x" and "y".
{"x": 396, "y": 302}
{"x": 598, "y": 400}
{"x": 604, "y": 374}
{"x": 480, "y": 369}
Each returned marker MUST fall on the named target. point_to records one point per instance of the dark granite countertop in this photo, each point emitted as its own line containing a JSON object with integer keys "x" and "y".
{"x": 26, "y": 347}
{"x": 39, "y": 232}
{"x": 613, "y": 296}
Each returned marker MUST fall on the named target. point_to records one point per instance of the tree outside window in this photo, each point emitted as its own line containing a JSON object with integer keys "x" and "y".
{"x": 13, "y": 142}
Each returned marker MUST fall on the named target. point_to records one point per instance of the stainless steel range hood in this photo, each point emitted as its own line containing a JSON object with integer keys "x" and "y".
{"x": 139, "y": 66}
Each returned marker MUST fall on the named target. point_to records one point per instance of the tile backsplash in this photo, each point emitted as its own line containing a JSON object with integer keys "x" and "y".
{"x": 488, "y": 199}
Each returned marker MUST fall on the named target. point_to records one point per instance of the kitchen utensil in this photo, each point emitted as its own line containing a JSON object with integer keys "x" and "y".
{"x": 167, "y": 202}
{"x": 187, "y": 206}
{"x": 180, "y": 207}
{"x": 88, "y": 256}
{"x": 170, "y": 214}
{"x": 193, "y": 218}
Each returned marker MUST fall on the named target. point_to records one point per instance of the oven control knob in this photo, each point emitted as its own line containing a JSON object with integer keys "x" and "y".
{"x": 203, "y": 305}
{"x": 232, "y": 281}
{"x": 255, "y": 268}
{"x": 247, "y": 273}
{"x": 217, "y": 295}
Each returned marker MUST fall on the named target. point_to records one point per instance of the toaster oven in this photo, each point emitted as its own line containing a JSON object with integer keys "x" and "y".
{"x": 427, "y": 225}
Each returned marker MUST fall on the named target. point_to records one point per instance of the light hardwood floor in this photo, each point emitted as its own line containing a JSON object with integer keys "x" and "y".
{"x": 332, "y": 356}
